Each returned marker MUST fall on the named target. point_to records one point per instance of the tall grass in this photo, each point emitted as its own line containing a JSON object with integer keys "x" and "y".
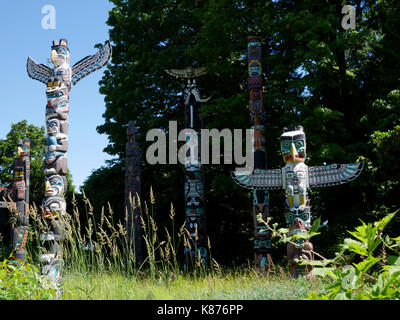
{"x": 104, "y": 245}
{"x": 231, "y": 284}
{"x": 100, "y": 262}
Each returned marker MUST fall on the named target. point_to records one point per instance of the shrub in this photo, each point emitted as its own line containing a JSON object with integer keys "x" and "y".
{"x": 22, "y": 281}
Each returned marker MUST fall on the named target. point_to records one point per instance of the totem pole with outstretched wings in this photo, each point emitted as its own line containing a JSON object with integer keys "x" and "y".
{"x": 295, "y": 178}
{"x": 59, "y": 81}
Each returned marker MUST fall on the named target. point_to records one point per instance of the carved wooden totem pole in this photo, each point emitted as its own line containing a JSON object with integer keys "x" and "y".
{"x": 59, "y": 81}
{"x": 195, "y": 218}
{"x": 262, "y": 242}
{"x": 18, "y": 219}
{"x": 20, "y": 196}
{"x": 4, "y": 217}
{"x": 133, "y": 191}
{"x": 295, "y": 178}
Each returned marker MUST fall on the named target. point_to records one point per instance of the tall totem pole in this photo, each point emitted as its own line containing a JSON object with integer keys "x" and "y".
{"x": 195, "y": 218}
{"x": 20, "y": 196}
{"x": 133, "y": 191}
{"x": 59, "y": 81}
{"x": 295, "y": 178}
{"x": 262, "y": 242}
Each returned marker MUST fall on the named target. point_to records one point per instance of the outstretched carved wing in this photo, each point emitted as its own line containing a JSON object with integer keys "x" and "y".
{"x": 187, "y": 73}
{"x": 91, "y": 63}
{"x": 38, "y": 72}
{"x": 260, "y": 179}
{"x": 333, "y": 174}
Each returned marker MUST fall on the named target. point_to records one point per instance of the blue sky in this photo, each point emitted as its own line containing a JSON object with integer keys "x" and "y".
{"x": 83, "y": 24}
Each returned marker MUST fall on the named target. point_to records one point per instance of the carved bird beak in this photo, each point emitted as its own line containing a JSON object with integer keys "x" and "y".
{"x": 293, "y": 152}
{"x": 47, "y": 186}
{"x": 54, "y": 55}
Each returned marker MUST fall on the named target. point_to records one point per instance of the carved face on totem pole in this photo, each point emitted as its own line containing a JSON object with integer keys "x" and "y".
{"x": 60, "y": 53}
{"x": 57, "y": 128}
{"x": 55, "y": 185}
{"x": 293, "y": 145}
{"x": 23, "y": 148}
{"x": 54, "y": 206}
{"x": 60, "y": 58}
{"x": 194, "y": 192}
{"x": 57, "y": 103}
{"x": 19, "y": 168}
{"x": 53, "y": 127}
{"x": 18, "y": 181}
{"x": 255, "y": 69}
{"x": 54, "y": 148}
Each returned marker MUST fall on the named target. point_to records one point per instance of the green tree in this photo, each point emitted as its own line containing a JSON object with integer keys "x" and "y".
{"x": 316, "y": 74}
{"x": 99, "y": 197}
{"x": 8, "y": 151}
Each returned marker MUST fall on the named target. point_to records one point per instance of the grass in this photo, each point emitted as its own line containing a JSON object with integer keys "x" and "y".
{"x": 110, "y": 272}
{"x": 243, "y": 285}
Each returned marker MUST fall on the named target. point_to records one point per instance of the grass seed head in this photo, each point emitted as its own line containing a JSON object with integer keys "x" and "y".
{"x": 152, "y": 199}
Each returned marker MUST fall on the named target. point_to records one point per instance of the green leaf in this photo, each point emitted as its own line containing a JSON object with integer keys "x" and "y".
{"x": 393, "y": 260}
{"x": 355, "y": 246}
{"x": 343, "y": 296}
{"x": 383, "y": 288}
{"x": 305, "y": 235}
{"x": 283, "y": 230}
{"x": 324, "y": 272}
{"x": 366, "y": 264}
{"x": 317, "y": 263}
{"x": 349, "y": 282}
{"x": 360, "y": 233}
{"x": 397, "y": 239}
{"x": 315, "y": 226}
{"x": 381, "y": 224}
{"x": 393, "y": 269}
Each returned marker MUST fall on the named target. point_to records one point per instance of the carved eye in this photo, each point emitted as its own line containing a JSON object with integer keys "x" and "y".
{"x": 304, "y": 216}
{"x": 299, "y": 143}
{"x": 286, "y": 144}
{"x": 56, "y": 181}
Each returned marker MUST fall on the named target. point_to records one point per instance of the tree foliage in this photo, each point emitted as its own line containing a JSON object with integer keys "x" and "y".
{"x": 8, "y": 151}
{"x": 341, "y": 85}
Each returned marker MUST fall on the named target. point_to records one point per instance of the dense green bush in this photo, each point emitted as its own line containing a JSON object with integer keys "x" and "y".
{"x": 23, "y": 282}
{"x": 358, "y": 271}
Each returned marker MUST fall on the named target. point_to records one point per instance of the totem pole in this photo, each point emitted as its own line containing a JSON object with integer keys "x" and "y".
{"x": 18, "y": 218}
{"x": 262, "y": 242}
{"x": 295, "y": 178}
{"x": 195, "y": 218}
{"x": 4, "y": 217}
{"x": 59, "y": 81}
{"x": 20, "y": 196}
{"x": 133, "y": 191}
